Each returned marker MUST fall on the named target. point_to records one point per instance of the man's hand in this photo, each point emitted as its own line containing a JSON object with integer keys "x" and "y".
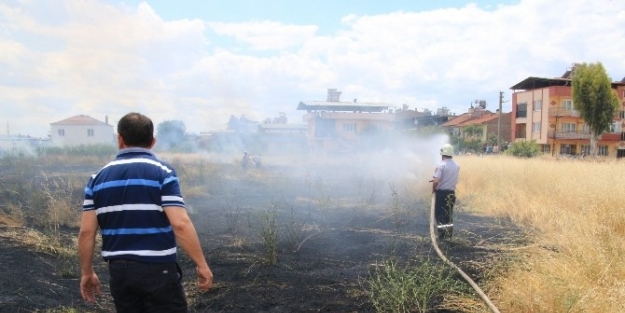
{"x": 187, "y": 238}
{"x": 90, "y": 287}
{"x": 434, "y": 182}
{"x": 205, "y": 277}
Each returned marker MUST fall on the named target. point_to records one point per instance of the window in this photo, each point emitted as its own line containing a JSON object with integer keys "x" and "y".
{"x": 90, "y": 132}
{"x": 536, "y": 127}
{"x": 603, "y": 150}
{"x": 538, "y": 105}
{"x": 585, "y": 128}
{"x": 615, "y": 127}
{"x": 585, "y": 149}
{"x": 569, "y": 127}
{"x": 349, "y": 127}
{"x": 521, "y": 110}
{"x": 565, "y": 149}
{"x": 61, "y": 132}
{"x": 567, "y": 104}
{"x": 621, "y": 114}
{"x": 545, "y": 148}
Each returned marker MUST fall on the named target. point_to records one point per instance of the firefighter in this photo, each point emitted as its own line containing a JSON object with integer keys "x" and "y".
{"x": 257, "y": 161}
{"x": 245, "y": 162}
{"x": 444, "y": 189}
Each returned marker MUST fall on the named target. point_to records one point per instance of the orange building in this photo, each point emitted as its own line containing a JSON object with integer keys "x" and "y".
{"x": 477, "y": 125}
{"x": 338, "y": 126}
{"x": 543, "y": 111}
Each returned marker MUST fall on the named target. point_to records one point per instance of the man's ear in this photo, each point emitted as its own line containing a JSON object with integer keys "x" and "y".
{"x": 120, "y": 142}
{"x": 153, "y": 143}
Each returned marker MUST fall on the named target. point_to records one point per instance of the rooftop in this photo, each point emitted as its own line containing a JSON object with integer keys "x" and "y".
{"x": 542, "y": 82}
{"x": 343, "y": 106}
{"x": 79, "y": 120}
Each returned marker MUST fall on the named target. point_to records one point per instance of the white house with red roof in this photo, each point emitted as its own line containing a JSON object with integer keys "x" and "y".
{"x": 81, "y": 130}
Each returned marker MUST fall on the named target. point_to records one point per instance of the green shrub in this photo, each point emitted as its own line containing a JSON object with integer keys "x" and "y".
{"x": 524, "y": 149}
{"x": 410, "y": 288}
{"x": 270, "y": 236}
{"x": 97, "y": 150}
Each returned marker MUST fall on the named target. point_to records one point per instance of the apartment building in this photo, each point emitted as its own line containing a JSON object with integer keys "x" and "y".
{"x": 340, "y": 126}
{"x": 543, "y": 110}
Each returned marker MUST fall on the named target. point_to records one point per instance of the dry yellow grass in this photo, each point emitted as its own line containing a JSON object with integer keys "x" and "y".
{"x": 576, "y": 213}
{"x": 10, "y": 220}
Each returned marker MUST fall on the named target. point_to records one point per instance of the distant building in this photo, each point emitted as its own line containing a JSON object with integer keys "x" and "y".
{"x": 81, "y": 130}
{"x": 339, "y": 126}
{"x": 544, "y": 111}
{"x": 282, "y": 137}
{"x": 477, "y": 124}
{"x": 19, "y": 144}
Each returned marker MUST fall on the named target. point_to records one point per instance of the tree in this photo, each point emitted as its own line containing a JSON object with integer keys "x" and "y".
{"x": 170, "y": 134}
{"x": 595, "y": 99}
{"x": 471, "y": 131}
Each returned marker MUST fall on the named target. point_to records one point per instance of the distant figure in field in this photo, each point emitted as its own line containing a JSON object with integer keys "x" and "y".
{"x": 245, "y": 162}
{"x": 444, "y": 188}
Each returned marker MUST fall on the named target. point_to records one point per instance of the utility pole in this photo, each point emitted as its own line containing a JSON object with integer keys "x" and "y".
{"x": 499, "y": 123}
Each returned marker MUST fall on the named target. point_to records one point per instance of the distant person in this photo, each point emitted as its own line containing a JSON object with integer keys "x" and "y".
{"x": 444, "y": 188}
{"x": 257, "y": 161}
{"x": 245, "y": 162}
{"x": 136, "y": 202}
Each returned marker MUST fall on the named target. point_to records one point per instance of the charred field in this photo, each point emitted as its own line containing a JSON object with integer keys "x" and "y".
{"x": 280, "y": 238}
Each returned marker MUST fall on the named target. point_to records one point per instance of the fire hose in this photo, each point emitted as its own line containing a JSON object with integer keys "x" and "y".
{"x": 462, "y": 273}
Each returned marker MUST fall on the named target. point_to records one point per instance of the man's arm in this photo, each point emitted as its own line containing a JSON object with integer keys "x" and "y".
{"x": 89, "y": 282}
{"x": 187, "y": 238}
{"x": 436, "y": 178}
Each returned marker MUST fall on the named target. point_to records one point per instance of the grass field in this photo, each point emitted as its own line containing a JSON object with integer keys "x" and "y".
{"x": 572, "y": 211}
{"x": 575, "y": 213}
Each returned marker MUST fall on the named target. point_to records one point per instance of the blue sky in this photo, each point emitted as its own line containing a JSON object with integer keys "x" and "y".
{"x": 326, "y": 14}
{"x": 202, "y": 61}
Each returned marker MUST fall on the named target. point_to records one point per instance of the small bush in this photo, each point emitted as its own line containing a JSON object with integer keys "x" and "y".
{"x": 524, "y": 149}
{"x": 270, "y": 236}
{"x": 410, "y": 288}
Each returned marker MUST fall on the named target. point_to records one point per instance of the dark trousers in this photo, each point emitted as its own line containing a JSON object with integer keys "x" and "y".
{"x": 147, "y": 287}
{"x": 443, "y": 212}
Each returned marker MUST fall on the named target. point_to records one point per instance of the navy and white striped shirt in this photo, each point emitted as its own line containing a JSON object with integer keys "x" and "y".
{"x": 128, "y": 195}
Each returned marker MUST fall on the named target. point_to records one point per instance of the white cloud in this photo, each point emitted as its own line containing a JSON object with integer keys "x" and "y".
{"x": 266, "y": 35}
{"x": 88, "y": 57}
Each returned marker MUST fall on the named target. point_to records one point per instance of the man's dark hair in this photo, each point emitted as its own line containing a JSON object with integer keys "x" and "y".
{"x": 136, "y": 129}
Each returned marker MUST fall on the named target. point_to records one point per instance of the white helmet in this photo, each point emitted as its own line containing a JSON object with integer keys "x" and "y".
{"x": 447, "y": 150}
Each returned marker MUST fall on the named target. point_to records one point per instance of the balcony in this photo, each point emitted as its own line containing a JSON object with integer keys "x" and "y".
{"x": 568, "y": 135}
{"x": 560, "y": 112}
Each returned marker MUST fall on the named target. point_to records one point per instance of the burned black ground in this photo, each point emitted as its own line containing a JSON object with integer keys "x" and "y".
{"x": 330, "y": 239}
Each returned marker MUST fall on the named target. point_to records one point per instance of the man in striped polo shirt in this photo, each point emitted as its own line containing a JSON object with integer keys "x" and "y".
{"x": 136, "y": 202}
